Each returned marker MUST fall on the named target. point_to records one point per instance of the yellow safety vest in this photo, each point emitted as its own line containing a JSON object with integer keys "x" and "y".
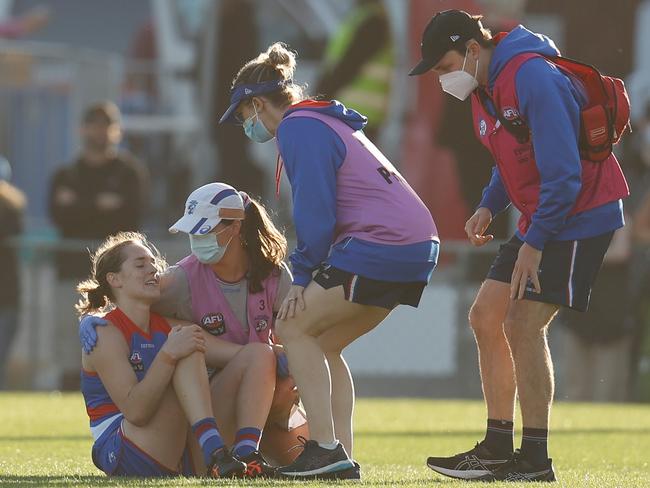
{"x": 368, "y": 93}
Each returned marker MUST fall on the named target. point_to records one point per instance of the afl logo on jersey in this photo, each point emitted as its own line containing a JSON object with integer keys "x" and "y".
{"x": 214, "y": 323}
{"x": 510, "y": 113}
{"x": 482, "y": 127}
{"x": 261, "y": 323}
{"x": 136, "y": 361}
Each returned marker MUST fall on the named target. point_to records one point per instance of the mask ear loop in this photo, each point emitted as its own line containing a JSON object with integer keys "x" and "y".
{"x": 257, "y": 116}
{"x": 464, "y": 59}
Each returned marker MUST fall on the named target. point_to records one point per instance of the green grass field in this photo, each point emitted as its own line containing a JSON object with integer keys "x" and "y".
{"x": 44, "y": 440}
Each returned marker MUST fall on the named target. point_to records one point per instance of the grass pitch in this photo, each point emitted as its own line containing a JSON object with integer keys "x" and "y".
{"x": 45, "y": 440}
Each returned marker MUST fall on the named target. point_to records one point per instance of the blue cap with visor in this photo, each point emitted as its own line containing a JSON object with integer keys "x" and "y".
{"x": 240, "y": 93}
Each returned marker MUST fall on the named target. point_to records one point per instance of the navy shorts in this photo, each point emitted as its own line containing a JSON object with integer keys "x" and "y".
{"x": 119, "y": 456}
{"x": 365, "y": 291}
{"x": 567, "y": 272}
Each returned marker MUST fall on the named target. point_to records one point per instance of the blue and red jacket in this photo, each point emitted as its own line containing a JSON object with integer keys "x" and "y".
{"x": 560, "y": 196}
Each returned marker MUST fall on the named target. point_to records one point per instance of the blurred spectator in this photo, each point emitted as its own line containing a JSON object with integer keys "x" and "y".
{"x": 12, "y": 204}
{"x": 359, "y": 64}
{"x": 31, "y": 21}
{"x": 140, "y": 90}
{"x": 99, "y": 194}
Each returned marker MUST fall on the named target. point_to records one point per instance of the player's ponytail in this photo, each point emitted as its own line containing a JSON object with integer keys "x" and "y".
{"x": 94, "y": 297}
{"x": 264, "y": 244}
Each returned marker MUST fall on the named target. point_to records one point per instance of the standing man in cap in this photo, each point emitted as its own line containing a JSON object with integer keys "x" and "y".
{"x": 570, "y": 209}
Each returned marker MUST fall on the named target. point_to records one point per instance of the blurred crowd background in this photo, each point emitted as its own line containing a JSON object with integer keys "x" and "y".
{"x": 81, "y": 77}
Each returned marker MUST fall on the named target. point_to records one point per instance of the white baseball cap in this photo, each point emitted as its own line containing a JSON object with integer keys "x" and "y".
{"x": 207, "y": 206}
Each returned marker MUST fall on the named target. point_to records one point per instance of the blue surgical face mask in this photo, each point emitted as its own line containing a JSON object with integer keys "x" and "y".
{"x": 206, "y": 248}
{"x": 255, "y": 129}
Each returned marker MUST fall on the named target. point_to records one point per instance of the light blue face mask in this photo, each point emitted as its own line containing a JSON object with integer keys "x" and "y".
{"x": 206, "y": 248}
{"x": 255, "y": 130}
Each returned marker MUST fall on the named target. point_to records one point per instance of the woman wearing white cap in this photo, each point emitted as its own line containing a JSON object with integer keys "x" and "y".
{"x": 232, "y": 285}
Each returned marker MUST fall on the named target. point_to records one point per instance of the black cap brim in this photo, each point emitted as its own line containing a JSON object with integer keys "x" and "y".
{"x": 422, "y": 67}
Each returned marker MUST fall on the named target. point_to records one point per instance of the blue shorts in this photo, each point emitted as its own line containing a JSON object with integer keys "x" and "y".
{"x": 567, "y": 272}
{"x": 119, "y": 456}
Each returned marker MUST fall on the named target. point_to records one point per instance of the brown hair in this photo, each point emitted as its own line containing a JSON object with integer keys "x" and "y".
{"x": 264, "y": 244}
{"x": 276, "y": 63}
{"x": 106, "y": 112}
{"x": 108, "y": 258}
{"x": 483, "y": 36}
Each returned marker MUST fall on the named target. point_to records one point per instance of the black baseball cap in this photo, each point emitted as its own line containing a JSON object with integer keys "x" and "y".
{"x": 445, "y": 31}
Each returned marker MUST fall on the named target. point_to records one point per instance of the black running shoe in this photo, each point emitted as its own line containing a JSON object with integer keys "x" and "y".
{"x": 256, "y": 466}
{"x": 349, "y": 474}
{"x": 469, "y": 465}
{"x": 224, "y": 465}
{"x": 520, "y": 469}
{"x": 317, "y": 462}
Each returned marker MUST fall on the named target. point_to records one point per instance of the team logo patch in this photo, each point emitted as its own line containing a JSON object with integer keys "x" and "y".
{"x": 261, "y": 323}
{"x": 205, "y": 229}
{"x": 136, "y": 361}
{"x": 191, "y": 206}
{"x": 482, "y": 127}
{"x": 510, "y": 113}
{"x": 214, "y": 323}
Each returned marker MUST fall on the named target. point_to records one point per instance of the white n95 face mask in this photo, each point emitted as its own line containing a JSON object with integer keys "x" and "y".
{"x": 460, "y": 83}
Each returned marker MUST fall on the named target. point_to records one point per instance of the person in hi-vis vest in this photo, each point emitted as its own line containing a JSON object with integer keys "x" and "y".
{"x": 359, "y": 63}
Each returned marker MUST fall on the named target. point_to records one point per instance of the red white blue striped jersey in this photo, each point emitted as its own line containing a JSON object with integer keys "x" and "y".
{"x": 103, "y": 413}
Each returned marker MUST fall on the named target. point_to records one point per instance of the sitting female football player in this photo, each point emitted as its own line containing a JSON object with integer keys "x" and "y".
{"x": 146, "y": 381}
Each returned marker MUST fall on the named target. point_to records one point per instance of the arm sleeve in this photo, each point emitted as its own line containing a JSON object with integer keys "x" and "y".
{"x": 548, "y": 102}
{"x": 495, "y": 198}
{"x": 312, "y": 153}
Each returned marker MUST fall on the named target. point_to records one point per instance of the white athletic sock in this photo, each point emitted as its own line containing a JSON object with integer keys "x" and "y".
{"x": 329, "y": 445}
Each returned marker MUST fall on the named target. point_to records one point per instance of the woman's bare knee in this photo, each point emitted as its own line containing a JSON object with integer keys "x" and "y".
{"x": 290, "y": 329}
{"x": 259, "y": 354}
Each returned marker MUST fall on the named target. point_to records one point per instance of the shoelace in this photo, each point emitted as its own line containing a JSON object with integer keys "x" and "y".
{"x": 303, "y": 444}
